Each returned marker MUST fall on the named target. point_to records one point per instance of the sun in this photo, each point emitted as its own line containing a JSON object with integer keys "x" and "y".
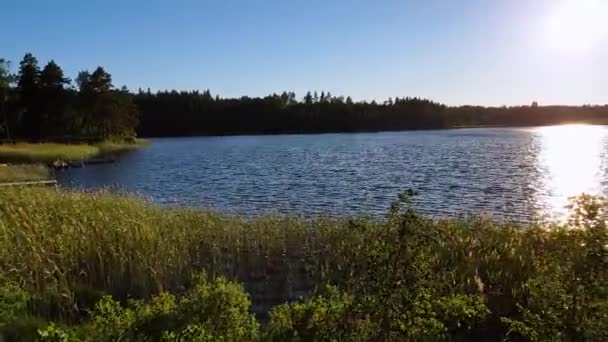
{"x": 576, "y": 26}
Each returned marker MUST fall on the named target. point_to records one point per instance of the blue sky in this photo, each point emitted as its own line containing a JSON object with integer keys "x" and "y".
{"x": 498, "y": 52}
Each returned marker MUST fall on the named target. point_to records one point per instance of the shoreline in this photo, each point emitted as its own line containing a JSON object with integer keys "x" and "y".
{"x": 244, "y": 134}
{"x": 28, "y": 162}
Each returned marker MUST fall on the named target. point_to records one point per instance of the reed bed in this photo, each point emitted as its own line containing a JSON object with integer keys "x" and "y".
{"x": 22, "y": 173}
{"x": 69, "y": 249}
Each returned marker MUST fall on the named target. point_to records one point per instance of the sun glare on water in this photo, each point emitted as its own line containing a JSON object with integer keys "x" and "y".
{"x": 576, "y": 26}
{"x": 572, "y": 160}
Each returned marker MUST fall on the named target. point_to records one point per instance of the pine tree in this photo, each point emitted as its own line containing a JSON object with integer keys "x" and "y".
{"x": 28, "y": 84}
{"x": 101, "y": 81}
{"x": 52, "y": 76}
{"x": 4, "y": 93}
{"x": 308, "y": 98}
{"x": 52, "y": 100}
{"x": 83, "y": 81}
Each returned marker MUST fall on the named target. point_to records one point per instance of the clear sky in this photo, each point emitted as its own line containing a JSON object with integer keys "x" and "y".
{"x": 488, "y": 52}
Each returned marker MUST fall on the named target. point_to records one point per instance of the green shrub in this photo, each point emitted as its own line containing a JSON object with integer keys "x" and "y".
{"x": 323, "y": 318}
{"x": 15, "y": 322}
{"x": 211, "y": 311}
{"x": 13, "y": 304}
{"x": 52, "y": 333}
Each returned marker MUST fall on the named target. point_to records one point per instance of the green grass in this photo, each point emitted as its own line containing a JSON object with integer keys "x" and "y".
{"x": 109, "y": 147}
{"x": 406, "y": 277}
{"x": 50, "y": 152}
{"x": 22, "y": 173}
{"x": 45, "y": 152}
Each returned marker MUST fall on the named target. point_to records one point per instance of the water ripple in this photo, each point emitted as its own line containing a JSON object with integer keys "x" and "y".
{"x": 511, "y": 173}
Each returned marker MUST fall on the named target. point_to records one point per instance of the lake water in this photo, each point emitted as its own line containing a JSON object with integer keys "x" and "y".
{"x": 510, "y": 173}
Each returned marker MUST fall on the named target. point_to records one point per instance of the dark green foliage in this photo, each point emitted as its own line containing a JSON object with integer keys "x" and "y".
{"x": 42, "y": 106}
{"x": 13, "y": 304}
{"x": 210, "y": 311}
{"x": 5, "y": 94}
{"x": 53, "y": 100}
{"x": 52, "y": 333}
{"x": 325, "y": 318}
{"x": 28, "y": 85}
{"x": 100, "y": 81}
{"x": 15, "y": 323}
{"x": 172, "y": 113}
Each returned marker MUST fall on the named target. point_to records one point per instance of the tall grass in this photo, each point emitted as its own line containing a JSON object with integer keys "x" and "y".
{"x": 53, "y": 240}
{"x": 68, "y": 249}
{"x": 19, "y": 173}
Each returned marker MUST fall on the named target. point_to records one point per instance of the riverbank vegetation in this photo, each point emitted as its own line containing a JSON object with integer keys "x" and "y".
{"x": 23, "y": 173}
{"x": 50, "y": 152}
{"x": 78, "y": 266}
{"x": 41, "y": 104}
{"x": 45, "y": 152}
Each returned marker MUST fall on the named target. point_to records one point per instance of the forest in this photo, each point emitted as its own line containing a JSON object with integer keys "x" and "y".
{"x": 42, "y": 104}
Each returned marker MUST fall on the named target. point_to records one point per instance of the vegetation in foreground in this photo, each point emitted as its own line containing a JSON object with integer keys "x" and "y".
{"x": 99, "y": 267}
{"x": 23, "y": 173}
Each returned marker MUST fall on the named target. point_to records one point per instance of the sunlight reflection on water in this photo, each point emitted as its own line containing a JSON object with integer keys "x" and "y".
{"x": 571, "y": 160}
{"x": 515, "y": 174}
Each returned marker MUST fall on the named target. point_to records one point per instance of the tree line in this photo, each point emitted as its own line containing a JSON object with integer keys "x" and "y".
{"x": 173, "y": 113}
{"x": 41, "y": 104}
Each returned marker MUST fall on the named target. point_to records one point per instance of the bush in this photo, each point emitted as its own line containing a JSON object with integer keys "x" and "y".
{"x": 211, "y": 311}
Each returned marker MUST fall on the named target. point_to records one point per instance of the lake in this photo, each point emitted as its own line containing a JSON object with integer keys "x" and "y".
{"x": 511, "y": 173}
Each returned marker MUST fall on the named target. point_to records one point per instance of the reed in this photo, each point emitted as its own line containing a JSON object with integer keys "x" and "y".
{"x": 68, "y": 249}
{"x": 22, "y": 173}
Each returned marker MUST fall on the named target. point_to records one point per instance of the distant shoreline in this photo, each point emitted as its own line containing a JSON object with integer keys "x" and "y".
{"x": 374, "y": 131}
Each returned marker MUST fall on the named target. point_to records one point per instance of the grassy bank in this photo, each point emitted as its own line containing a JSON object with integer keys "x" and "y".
{"x": 50, "y": 152}
{"x": 80, "y": 260}
{"x": 23, "y": 173}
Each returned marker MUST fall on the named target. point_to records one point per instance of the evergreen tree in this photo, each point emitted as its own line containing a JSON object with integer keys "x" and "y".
{"x": 29, "y": 75}
{"x": 308, "y": 98}
{"x": 52, "y": 76}
{"x": 52, "y": 100}
{"x": 100, "y": 81}
{"x": 28, "y": 84}
{"x": 5, "y": 81}
{"x": 292, "y": 98}
{"x": 83, "y": 81}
